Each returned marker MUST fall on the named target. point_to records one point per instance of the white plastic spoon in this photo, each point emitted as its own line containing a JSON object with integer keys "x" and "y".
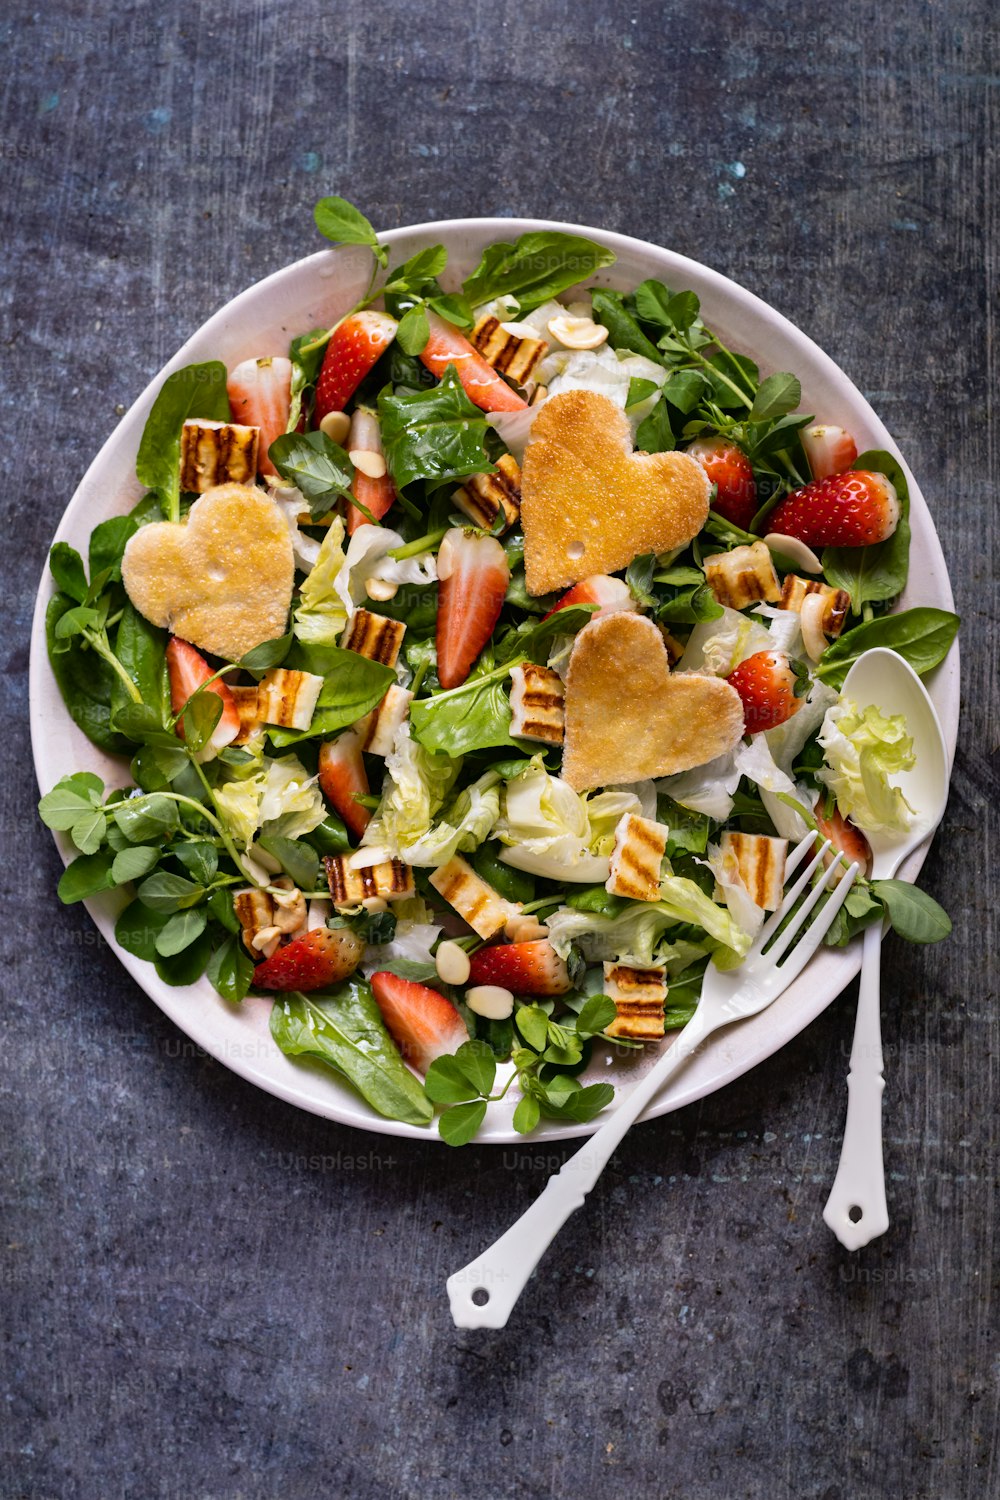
{"x": 856, "y": 1208}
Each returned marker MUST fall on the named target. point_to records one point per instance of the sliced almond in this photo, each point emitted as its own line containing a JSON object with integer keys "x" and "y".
{"x": 797, "y": 552}
{"x": 811, "y": 615}
{"x": 336, "y": 425}
{"x": 372, "y": 464}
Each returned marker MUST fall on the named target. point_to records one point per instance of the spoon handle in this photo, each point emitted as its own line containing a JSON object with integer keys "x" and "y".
{"x": 856, "y": 1209}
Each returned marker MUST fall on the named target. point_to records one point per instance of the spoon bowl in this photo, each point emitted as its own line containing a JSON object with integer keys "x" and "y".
{"x": 881, "y": 678}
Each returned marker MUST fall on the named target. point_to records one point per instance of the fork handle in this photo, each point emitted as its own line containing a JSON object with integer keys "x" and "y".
{"x": 498, "y": 1276}
{"x": 856, "y": 1209}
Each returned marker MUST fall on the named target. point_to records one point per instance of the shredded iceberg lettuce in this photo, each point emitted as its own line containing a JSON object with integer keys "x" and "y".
{"x": 551, "y": 830}
{"x": 282, "y": 799}
{"x": 320, "y": 615}
{"x": 636, "y": 933}
{"x": 367, "y": 560}
{"x": 863, "y": 748}
{"x": 410, "y": 823}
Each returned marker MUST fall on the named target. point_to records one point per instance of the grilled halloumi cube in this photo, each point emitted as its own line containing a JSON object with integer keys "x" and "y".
{"x": 537, "y": 704}
{"x": 288, "y": 698}
{"x": 639, "y": 996}
{"x": 760, "y": 861}
{"x": 392, "y": 880}
{"x": 247, "y": 706}
{"x": 636, "y": 858}
{"x": 744, "y": 576}
{"x": 507, "y": 352}
{"x": 254, "y": 910}
{"x": 477, "y": 902}
{"x": 378, "y": 729}
{"x": 374, "y": 636}
{"x": 836, "y": 602}
{"x": 483, "y": 496}
{"x": 217, "y": 453}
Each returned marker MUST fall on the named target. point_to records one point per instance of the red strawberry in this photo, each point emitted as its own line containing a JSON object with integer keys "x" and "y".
{"x": 423, "y": 1024}
{"x": 375, "y": 494}
{"x": 843, "y": 835}
{"x": 188, "y": 669}
{"x": 526, "y": 968}
{"x": 355, "y": 345}
{"x": 473, "y": 577}
{"x": 341, "y": 775}
{"x": 311, "y": 962}
{"x": 843, "y": 510}
{"x": 612, "y": 594}
{"x": 772, "y": 689}
{"x": 483, "y": 386}
{"x": 260, "y": 394}
{"x": 731, "y": 472}
{"x": 830, "y": 450}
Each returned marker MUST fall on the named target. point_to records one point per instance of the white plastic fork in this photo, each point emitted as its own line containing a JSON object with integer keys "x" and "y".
{"x": 483, "y": 1293}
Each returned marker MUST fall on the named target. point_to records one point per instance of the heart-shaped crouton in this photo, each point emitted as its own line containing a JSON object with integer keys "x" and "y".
{"x": 629, "y": 717}
{"x": 222, "y": 579}
{"x": 589, "y": 504}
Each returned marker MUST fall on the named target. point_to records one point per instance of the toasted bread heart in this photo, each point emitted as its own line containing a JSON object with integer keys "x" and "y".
{"x": 629, "y": 717}
{"x": 222, "y": 579}
{"x": 589, "y": 504}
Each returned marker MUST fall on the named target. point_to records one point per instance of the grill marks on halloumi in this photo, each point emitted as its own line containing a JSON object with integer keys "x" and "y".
{"x": 743, "y": 576}
{"x": 636, "y": 858}
{"x": 374, "y": 636}
{"x": 836, "y": 602}
{"x": 217, "y": 453}
{"x": 483, "y": 496}
{"x": 392, "y": 880}
{"x": 640, "y": 995}
{"x": 287, "y": 698}
{"x": 537, "y": 704}
{"x": 760, "y": 861}
{"x": 507, "y": 352}
{"x": 475, "y": 901}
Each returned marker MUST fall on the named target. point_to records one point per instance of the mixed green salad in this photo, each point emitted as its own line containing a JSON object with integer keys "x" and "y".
{"x": 361, "y": 814}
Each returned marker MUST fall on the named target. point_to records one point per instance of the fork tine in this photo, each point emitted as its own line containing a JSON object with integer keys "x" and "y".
{"x": 819, "y": 929}
{"x": 772, "y": 924}
{"x": 798, "y": 919}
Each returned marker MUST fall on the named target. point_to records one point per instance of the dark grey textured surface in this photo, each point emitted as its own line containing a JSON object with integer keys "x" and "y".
{"x": 207, "y": 1294}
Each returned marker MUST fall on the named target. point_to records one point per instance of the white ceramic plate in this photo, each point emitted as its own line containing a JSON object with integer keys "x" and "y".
{"x": 313, "y": 293}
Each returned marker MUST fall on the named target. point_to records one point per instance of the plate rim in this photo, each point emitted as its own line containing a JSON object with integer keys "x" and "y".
{"x": 103, "y": 910}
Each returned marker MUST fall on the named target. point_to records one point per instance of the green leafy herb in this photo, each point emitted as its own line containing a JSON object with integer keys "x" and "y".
{"x": 436, "y": 434}
{"x": 317, "y": 466}
{"x": 341, "y": 222}
{"x": 538, "y": 266}
{"x": 345, "y": 1029}
{"x": 474, "y": 716}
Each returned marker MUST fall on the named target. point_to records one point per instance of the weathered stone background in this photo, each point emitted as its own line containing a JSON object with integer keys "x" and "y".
{"x": 207, "y": 1294}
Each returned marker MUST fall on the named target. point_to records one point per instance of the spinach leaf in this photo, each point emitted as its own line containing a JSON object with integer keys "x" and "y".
{"x": 107, "y": 544}
{"x": 84, "y": 679}
{"x": 306, "y": 354}
{"x": 513, "y": 885}
{"x": 921, "y": 636}
{"x": 345, "y": 1029}
{"x": 316, "y": 465}
{"x": 533, "y": 638}
{"x": 623, "y": 329}
{"x": 230, "y": 969}
{"x": 690, "y": 605}
{"x": 141, "y": 649}
{"x": 436, "y": 434}
{"x": 474, "y": 716}
{"x": 352, "y": 685}
{"x": 914, "y": 915}
{"x": 654, "y": 433}
{"x": 538, "y": 266}
{"x": 66, "y": 567}
{"x": 194, "y": 391}
{"x": 876, "y": 573}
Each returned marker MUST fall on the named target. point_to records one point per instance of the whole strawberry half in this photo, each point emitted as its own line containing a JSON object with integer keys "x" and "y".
{"x": 533, "y": 968}
{"x": 771, "y": 688}
{"x": 729, "y": 469}
{"x": 355, "y": 345}
{"x": 311, "y": 962}
{"x": 843, "y": 510}
{"x": 424, "y": 1025}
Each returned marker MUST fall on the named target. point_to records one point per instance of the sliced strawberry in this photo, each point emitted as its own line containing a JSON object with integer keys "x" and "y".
{"x": 188, "y": 669}
{"x": 843, "y": 510}
{"x": 731, "y": 472}
{"x": 260, "y": 394}
{"x": 526, "y": 968}
{"x": 843, "y": 834}
{"x": 376, "y": 493}
{"x": 483, "y": 386}
{"x": 355, "y": 345}
{"x": 473, "y": 576}
{"x": 830, "y": 450}
{"x": 772, "y": 689}
{"x": 612, "y": 594}
{"x": 318, "y": 958}
{"x": 342, "y": 775}
{"x": 423, "y": 1024}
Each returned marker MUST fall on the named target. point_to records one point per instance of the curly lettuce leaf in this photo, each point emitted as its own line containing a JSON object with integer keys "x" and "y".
{"x": 864, "y": 747}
